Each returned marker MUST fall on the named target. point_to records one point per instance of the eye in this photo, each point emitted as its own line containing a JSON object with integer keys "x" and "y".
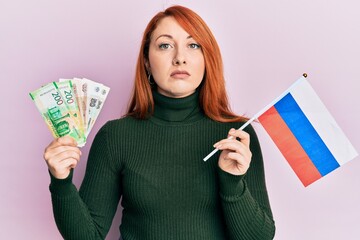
{"x": 164, "y": 46}
{"x": 194, "y": 46}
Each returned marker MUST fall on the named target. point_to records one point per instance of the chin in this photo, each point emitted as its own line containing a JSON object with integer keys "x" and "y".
{"x": 177, "y": 93}
{"x": 181, "y": 94}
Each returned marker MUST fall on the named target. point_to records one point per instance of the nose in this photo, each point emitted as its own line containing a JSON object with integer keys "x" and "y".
{"x": 179, "y": 58}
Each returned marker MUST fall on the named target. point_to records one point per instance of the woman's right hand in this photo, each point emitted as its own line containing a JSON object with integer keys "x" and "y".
{"x": 61, "y": 155}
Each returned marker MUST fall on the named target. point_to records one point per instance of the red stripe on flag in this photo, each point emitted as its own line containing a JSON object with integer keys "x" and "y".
{"x": 289, "y": 146}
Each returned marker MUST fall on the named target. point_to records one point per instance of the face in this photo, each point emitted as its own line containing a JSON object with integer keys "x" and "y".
{"x": 176, "y": 61}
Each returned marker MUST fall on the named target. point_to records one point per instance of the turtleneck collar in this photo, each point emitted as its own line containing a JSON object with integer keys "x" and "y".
{"x": 177, "y": 110}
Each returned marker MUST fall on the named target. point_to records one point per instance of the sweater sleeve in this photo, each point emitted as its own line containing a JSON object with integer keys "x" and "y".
{"x": 245, "y": 200}
{"x": 88, "y": 213}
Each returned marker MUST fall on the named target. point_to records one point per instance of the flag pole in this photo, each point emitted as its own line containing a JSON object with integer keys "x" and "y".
{"x": 259, "y": 113}
{"x": 231, "y": 137}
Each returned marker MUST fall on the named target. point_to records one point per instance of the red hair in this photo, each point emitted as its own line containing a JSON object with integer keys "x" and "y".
{"x": 212, "y": 96}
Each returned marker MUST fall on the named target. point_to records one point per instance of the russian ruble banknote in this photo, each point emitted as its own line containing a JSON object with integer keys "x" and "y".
{"x": 96, "y": 95}
{"x": 67, "y": 93}
{"x": 70, "y": 106}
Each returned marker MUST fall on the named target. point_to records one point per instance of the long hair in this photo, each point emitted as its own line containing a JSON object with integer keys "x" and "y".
{"x": 212, "y": 94}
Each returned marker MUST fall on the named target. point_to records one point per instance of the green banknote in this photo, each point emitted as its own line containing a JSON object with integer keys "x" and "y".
{"x": 56, "y": 114}
{"x": 66, "y": 90}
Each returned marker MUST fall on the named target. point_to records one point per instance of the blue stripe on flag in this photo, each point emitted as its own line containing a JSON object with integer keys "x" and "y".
{"x": 306, "y": 134}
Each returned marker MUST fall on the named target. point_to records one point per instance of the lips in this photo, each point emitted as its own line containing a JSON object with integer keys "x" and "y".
{"x": 179, "y": 74}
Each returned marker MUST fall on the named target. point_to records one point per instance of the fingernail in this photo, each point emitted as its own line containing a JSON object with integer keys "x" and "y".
{"x": 217, "y": 145}
{"x": 232, "y": 131}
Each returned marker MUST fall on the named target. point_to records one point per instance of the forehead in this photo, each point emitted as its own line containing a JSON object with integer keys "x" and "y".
{"x": 169, "y": 26}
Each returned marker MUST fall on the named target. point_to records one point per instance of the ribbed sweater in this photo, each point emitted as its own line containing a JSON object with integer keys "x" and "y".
{"x": 167, "y": 191}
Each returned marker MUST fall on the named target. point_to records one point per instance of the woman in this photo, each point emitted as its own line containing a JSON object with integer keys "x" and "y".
{"x": 152, "y": 157}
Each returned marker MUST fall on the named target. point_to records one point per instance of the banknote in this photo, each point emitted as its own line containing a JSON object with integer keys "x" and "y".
{"x": 80, "y": 91}
{"x": 56, "y": 114}
{"x": 71, "y": 106}
{"x": 67, "y": 93}
{"x": 96, "y": 95}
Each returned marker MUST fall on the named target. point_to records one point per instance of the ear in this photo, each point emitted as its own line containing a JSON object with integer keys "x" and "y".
{"x": 147, "y": 65}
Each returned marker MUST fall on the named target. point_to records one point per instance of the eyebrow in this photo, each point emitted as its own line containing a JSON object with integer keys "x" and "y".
{"x": 169, "y": 36}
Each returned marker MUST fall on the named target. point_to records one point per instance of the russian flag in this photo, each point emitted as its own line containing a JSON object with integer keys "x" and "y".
{"x": 305, "y": 133}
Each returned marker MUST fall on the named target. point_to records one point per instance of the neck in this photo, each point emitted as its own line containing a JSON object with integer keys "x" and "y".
{"x": 177, "y": 110}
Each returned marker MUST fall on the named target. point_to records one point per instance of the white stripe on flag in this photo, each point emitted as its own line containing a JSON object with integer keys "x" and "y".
{"x": 323, "y": 122}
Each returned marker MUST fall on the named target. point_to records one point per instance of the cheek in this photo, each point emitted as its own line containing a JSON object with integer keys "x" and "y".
{"x": 200, "y": 68}
{"x": 157, "y": 65}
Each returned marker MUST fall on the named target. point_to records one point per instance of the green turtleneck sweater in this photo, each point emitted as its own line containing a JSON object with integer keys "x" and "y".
{"x": 168, "y": 192}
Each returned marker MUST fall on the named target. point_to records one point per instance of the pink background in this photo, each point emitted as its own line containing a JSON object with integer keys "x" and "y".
{"x": 266, "y": 46}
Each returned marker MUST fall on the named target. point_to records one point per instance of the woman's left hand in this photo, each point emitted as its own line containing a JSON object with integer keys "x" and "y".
{"x": 235, "y": 157}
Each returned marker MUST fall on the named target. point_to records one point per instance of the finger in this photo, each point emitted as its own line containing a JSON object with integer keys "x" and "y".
{"x": 49, "y": 153}
{"x": 63, "y": 141}
{"x": 244, "y": 136}
{"x": 234, "y": 163}
{"x": 57, "y": 159}
{"x": 69, "y": 163}
{"x": 68, "y": 154}
{"x": 61, "y": 171}
{"x": 232, "y": 145}
{"x": 231, "y": 131}
{"x": 242, "y": 163}
{"x": 240, "y": 159}
{"x": 235, "y": 146}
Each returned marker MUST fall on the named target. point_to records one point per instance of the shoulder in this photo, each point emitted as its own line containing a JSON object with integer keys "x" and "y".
{"x": 121, "y": 127}
{"x": 117, "y": 132}
{"x": 228, "y": 125}
{"x": 123, "y": 122}
{"x": 221, "y": 129}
